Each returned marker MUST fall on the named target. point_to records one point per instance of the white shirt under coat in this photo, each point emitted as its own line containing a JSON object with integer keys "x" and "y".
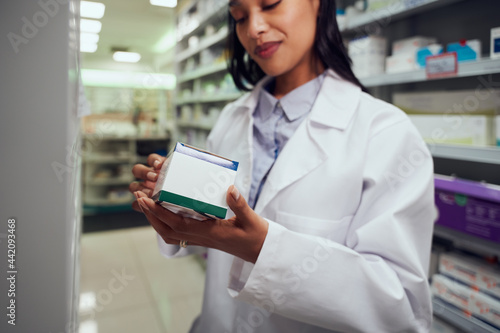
{"x": 350, "y": 206}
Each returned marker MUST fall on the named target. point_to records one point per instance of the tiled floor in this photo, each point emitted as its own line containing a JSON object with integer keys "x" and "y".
{"x": 127, "y": 286}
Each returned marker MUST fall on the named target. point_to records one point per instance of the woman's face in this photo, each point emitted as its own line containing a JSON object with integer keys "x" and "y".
{"x": 277, "y": 34}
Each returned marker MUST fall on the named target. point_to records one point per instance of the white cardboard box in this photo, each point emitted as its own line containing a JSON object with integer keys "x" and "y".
{"x": 473, "y": 302}
{"x": 368, "y": 55}
{"x": 455, "y": 129}
{"x": 194, "y": 182}
{"x": 411, "y": 45}
{"x": 471, "y": 271}
{"x": 495, "y": 43}
{"x": 401, "y": 62}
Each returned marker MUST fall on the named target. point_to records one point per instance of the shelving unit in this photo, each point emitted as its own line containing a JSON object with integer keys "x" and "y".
{"x": 107, "y": 165}
{"x": 444, "y": 19}
{"x": 204, "y": 85}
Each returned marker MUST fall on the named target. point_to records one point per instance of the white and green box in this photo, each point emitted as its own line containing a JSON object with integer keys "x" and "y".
{"x": 194, "y": 182}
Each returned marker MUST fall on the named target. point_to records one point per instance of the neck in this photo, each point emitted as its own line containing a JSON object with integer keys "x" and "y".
{"x": 295, "y": 78}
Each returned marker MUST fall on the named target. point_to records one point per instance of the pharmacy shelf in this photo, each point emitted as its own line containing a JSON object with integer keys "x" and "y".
{"x": 194, "y": 125}
{"x": 458, "y": 319}
{"x": 468, "y": 242}
{"x": 391, "y": 13}
{"x": 107, "y": 203}
{"x": 204, "y": 44}
{"x": 109, "y": 181}
{"x": 210, "y": 99}
{"x": 476, "y": 68}
{"x": 107, "y": 159}
{"x": 466, "y": 153}
{"x": 201, "y": 72}
{"x": 213, "y": 17}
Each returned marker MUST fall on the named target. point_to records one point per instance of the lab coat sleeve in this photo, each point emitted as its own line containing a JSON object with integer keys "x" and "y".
{"x": 377, "y": 280}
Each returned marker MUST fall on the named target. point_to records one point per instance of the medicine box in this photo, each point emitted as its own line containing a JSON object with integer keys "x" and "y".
{"x": 466, "y": 50}
{"x": 455, "y": 129}
{"x": 468, "y": 207}
{"x": 472, "y": 271}
{"x": 193, "y": 183}
{"x": 402, "y": 62}
{"x": 411, "y": 45}
{"x": 495, "y": 43}
{"x": 480, "y": 101}
{"x": 368, "y": 55}
{"x": 424, "y": 52}
{"x": 472, "y": 302}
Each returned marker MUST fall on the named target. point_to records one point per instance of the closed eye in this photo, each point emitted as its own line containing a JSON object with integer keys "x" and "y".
{"x": 274, "y": 5}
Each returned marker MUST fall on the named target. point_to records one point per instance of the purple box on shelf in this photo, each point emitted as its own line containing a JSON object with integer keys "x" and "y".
{"x": 469, "y": 207}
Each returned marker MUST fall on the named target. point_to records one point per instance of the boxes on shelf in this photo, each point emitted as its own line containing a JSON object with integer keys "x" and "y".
{"x": 403, "y": 62}
{"x": 464, "y": 116}
{"x": 472, "y": 271}
{"x": 468, "y": 207}
{"x": 495, "y": 43}
{"x": 411, "y": 45}
{"x": 368, "y": 55}
{"x": 497, "y": 123}
{"x": 471, "y": 301}
{"x": 427, "y": 51}
{"x": 455, "y": 129}
{"x": 466, "y": 50}
{"x": 194, "y": 182}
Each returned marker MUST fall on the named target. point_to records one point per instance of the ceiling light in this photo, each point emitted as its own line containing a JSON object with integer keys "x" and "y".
{"x": 164, "y": 3}
{"x": 90, "y": 26}
{"x": 93, "y": 10}
{"x": 89, "y": 38}
{"x": 88, "y": 47}
{"x": 126, "y": 56}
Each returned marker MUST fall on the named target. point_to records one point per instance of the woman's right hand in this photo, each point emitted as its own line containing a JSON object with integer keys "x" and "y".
{"x": 147, "y": 175}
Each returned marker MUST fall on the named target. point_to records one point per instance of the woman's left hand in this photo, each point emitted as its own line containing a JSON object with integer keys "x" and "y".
{"x": 242, "y": 235}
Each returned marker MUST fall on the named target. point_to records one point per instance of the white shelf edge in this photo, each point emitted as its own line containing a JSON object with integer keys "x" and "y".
{"x": 104, "y": 182}
{"x": 216, "y": 98}
{"x": 207, "y": 42}
{"x": 194, "y": 125}
{"x": 472, "y": 325}
{"x": 474, "y": 68}
{"x": 204, "y": 21}
{"x": 201, "y": 72}
{"x": 384, "y": 16}
{"x": 466, "y": 153}
{"x": 114, "y": 159}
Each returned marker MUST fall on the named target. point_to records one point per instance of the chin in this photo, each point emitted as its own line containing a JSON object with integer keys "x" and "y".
{"x": 271, "y": 70}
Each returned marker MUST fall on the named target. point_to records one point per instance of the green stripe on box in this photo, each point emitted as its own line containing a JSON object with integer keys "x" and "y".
{"x": 196, "y": 205}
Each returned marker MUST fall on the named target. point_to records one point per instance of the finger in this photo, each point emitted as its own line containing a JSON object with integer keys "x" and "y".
{"x": 140, "y": 186}
{"x": 155, "y": 161}
{"x": 163, "y": 229}
{"x": 143, "y": 172}
{"x": 178, "y": 223}
{"x": 239, "y": 206}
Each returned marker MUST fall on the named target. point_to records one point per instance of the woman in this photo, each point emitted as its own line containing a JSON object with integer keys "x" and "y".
{"x": 333, "y": 201}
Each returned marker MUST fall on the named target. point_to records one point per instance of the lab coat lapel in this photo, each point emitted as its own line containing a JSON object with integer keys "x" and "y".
{"x": 314, "y": 140}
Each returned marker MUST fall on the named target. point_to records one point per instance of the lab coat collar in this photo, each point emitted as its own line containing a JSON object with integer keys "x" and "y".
{"x": 334, "y": 107}
{"x": 311, "y": 145}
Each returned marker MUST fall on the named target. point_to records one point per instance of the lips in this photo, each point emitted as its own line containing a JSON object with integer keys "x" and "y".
{"x": 266, "y": 50}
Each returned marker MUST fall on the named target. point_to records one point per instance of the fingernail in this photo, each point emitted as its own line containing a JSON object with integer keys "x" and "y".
{"x": 142, "y": 205}
{"x": 152, "y": 176}
{"x": 156, "y": 163}
{"x": 136, "y": 194}
{"x": 147, "y": 191}
{"x": 235, "y": 193}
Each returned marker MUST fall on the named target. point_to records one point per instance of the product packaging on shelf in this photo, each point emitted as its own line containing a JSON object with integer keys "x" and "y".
{"x": 368, "y": 55}
{"x": 455, "y": 129}
{"x": 495, "y": 43}
{"x": 424, "y": 52}
{"x": 411, "y": 45}
{"x": 402, "y": 62}
{"x": 498, "y": 129}
{"x": 466, "y": 50}
{"x": 471, "y": 301}
{"x": 194, "y": 182}
{"x": 468, "y": 207}
{"x": 472, "y": 271}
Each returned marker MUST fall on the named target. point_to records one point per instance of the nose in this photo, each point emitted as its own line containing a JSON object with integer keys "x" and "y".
{"x": 257, "y": 25}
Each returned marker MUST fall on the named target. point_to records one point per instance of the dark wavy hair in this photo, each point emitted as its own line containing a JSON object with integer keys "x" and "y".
{"x": 328, "y": 47}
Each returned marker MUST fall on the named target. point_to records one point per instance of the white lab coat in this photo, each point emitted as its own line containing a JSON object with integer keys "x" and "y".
{"x": 350, "y": 205}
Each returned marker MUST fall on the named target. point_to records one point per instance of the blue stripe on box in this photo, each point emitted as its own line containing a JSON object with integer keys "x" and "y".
{"x": 205, "y": 156}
